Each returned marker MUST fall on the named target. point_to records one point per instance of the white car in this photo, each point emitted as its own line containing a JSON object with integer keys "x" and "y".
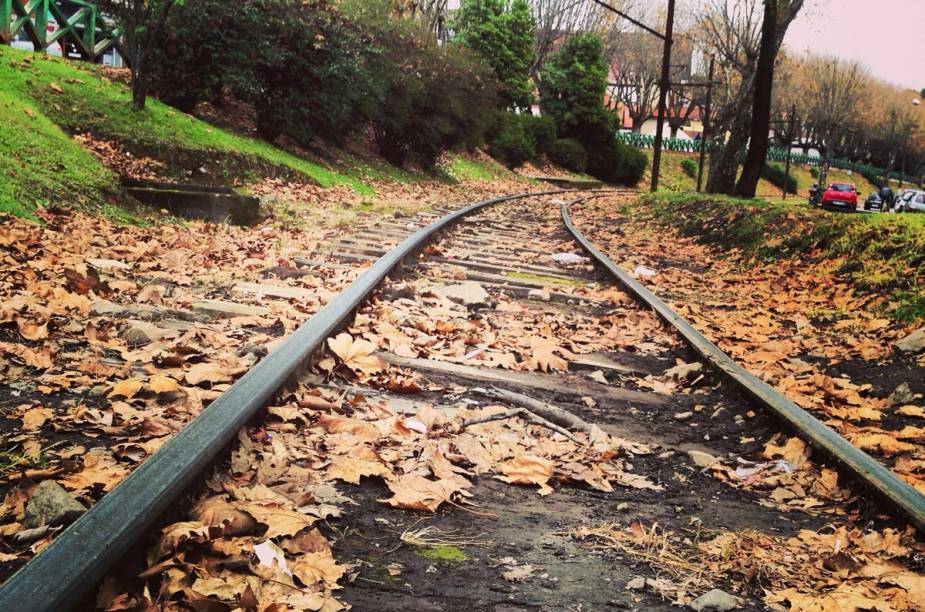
{"x": 911, "y": 200}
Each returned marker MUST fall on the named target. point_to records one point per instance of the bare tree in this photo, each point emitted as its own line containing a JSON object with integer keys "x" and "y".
{"x": 558, "y": 19}
{"x": 778, "y": 15}
{"x": 635, "y": 60}
{"x": 142, "y": 22}
{"x": 730, "y": 30}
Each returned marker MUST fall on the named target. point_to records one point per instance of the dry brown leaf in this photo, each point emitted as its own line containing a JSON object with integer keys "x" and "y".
{"x": 163, "y": 384}
{"x": 280, "y": 521}
{"x": 528, "y": 469}
{"x": 207, "y": 372}
{"x": 546, "y": 354}
{"x": 318, "y": 568}
{"x": 30, "y": 330}
{"x": 357, "y": 354}
{"x": 126, "y": 388}
{"x": 173, "y": 536}
{"x": 216, "y": 512}
{"x": 351, "y": 469}
{"x": 414, "y": 492}
{"x": 34, "y": 418}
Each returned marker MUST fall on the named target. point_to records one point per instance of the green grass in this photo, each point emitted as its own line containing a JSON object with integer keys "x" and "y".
{"x": 881, "y": 255}
{"x": 78, "y": 98}
{"x": 41, "y": 165}
{"x": 463, "y": 169}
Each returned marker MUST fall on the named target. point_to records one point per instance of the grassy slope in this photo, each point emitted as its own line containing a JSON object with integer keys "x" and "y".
{"x": 40, "y": 164}
{"x": 77, "y": 97}
{"x": 673, "y": 178}
{"x": 879, "y": 254}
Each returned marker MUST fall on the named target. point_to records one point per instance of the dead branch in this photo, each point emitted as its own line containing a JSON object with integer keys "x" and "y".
{"x": 558, "y": 416}
{"x": 526, "y": 415}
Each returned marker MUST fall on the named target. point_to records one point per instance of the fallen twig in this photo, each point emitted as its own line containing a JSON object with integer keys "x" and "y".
{"x": 558, "y": 416}
{"x": 525, "y": 415}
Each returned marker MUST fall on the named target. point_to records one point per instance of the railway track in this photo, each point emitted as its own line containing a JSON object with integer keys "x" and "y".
{"x": 476, "y": 307}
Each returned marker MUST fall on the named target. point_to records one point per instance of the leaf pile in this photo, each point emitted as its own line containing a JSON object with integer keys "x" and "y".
{"x": 794, "y": 325}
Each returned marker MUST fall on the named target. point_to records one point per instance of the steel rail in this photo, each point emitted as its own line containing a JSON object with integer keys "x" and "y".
{"x": 61, "y": 575}
{"x": 869, "y": 471}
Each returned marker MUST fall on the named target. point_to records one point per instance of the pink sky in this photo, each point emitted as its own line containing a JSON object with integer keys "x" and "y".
{"x": 885, "y": 35}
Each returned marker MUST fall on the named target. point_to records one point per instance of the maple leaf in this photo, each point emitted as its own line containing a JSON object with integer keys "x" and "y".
{"x": 207, "y": 372}
{"x": 222, "y": 514}
{"x": 162, "y": 384}
{"x": 173, "y": 536}
{"x": 34, "y": 418}
{"x": 31, "y": 330}
{"x": 333, "y": 423}
{"x": 543, "y": 355}
{"x": 414, "y": 492}
{"x": 126, "y": 388}
{"x": 99, "y": 468}
{"x": 357, "y": 354}
{"x": 318, "y": 568}
{"x": 351, "y": 469}
{"x": 528, "y": 469}
{"x": 280, "y": 521}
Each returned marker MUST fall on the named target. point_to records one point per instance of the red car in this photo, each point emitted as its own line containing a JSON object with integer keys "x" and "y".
{"x": 841, "y": 195}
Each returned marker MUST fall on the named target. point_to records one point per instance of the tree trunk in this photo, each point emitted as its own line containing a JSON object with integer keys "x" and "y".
{"x": 139, "y": 85}
{"x": 761, "y": 107}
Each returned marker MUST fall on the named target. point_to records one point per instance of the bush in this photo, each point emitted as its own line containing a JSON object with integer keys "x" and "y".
{"x": 615, "y": 162}
{"x": 542, "y": 130}
{"x": 689, "y": 167}
{"x": 814, "y": 172}
{"x": 777, "y": 176}
{"x": 429, "y": 98}
{"x": 569, "y": 153}
{"x": 514, "y": 143}
{"x": 300, "y": 64}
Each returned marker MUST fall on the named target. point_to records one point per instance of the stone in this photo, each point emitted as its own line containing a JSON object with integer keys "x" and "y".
{"x": 468, "y": 293}
{"x": 539, "y": 294}
{"x": 105, "y": 307}
{"x": 683, "y": 416}
{"x": 901, "y": 395}
{"x": 701, "y": 459}
{"x": 623, "y": 507}
{"x": 140, "y": 333}
{"x": 913, "y": 343}
{"x": 51, "y": 505}
{"x": 715, "y": 601}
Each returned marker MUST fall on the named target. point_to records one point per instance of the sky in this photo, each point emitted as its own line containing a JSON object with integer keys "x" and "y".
{"x": 885, "y": 35}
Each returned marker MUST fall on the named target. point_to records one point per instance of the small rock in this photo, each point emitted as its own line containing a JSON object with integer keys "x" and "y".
{"x": 623, "y": 507}
{"x": 701, "y": 459}
{"x": 398, "y": 214}
{"x": 468, "y": 293}
{"x": 683, "y": 416}
{"x": 139, "y": 333}
{"x": 717, "y": 412}
{"x": 901, "y": 395}
{"x": 739, "y": 419}
{"x": 715, "y": 601}
{"x": 644, "y": 272}
{"x": 913, "y": 343}
{"x": 636, "y": 584}
{"x": 103, "y": 308}
{"x": 99, "y": 390}
{"x": 568, "y": 259}
{"x": 51, "y": 505}
{"x": 539, "y": 294}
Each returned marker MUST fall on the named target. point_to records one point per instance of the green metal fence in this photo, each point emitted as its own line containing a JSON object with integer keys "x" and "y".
{"x": 643, "y": 141}
{"x": 80, "y": 26}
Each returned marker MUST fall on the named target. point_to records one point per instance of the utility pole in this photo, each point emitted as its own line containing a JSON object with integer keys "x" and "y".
{"x": 663, "y": 94}
{"x": 705, "y": 121}
{"x": 664, "y": 82}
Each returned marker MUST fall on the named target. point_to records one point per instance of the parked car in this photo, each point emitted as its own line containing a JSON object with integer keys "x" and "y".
{"x": 903, "y": 201}
{"x": 874, "y": 202}
{"x": 915, "y": 202}
{"x": 841, "y": 195}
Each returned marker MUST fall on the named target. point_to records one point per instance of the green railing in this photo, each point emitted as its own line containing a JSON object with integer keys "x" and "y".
{"x": 79, "y": 26}
{"x": 644, "y": 141}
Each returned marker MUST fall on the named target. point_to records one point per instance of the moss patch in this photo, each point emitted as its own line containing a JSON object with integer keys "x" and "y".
{"x": 443, "y": 553}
